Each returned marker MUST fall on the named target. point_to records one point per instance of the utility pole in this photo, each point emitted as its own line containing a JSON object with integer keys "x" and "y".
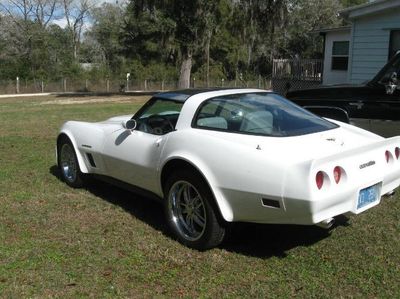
{"x": 127, "y": 81}
{"x": 17, "y": 85}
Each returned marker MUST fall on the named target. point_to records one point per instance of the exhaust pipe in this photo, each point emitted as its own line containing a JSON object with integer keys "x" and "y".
{"x": 389, "y": 194}
{"x": 327, "y": 223}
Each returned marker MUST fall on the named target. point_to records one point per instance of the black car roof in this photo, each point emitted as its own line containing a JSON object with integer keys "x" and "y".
{"x": 184, "y": 94}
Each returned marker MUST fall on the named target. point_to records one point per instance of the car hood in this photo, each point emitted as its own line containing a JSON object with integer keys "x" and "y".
{"x": 330, "y": 91}
{"x": 109, "y": 125}
{"x": 117, "y": 119}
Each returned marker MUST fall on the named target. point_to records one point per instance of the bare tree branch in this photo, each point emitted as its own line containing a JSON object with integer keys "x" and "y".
{"x": 41, "y": 11}
{"x": 44, "y": 11}
{"x": 75, "y": 14}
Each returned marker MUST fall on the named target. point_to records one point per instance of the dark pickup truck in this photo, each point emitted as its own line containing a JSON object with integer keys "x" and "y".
{"x": 374, "y": 105}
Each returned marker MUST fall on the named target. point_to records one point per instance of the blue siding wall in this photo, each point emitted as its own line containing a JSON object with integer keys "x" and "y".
{"x": 370, "y": 44}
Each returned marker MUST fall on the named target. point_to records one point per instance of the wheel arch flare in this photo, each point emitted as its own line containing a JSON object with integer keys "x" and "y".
{"x": 175, "y": 162}
{"x": 81, "y": 161}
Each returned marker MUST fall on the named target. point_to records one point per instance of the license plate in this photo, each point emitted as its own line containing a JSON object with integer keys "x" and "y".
{"x": 367, "y": 196}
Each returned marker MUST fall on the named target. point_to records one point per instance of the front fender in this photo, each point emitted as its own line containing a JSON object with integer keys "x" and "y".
{"x": 86, "y": 138}
{"x": 81, "y": 161}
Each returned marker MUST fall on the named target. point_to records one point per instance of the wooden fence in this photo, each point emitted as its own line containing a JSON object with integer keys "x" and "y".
{"x": 291, "y": 74}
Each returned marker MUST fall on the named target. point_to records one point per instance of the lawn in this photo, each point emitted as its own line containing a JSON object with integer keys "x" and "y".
{"x": 102, "y": 241}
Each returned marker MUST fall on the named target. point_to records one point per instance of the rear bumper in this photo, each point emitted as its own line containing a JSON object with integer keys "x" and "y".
{"x": 249, "y": 207}
{"x": 329, "y": 205}
{"x": 363, "y": 168}
{"x": 315, "y": 211}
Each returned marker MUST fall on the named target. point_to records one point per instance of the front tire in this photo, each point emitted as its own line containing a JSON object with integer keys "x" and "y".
{"x": 68, "y": 164}
{"x": 190, "y": 213}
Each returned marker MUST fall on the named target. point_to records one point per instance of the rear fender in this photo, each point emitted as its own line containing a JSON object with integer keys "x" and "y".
{"x": 357, "y": 164}
{"x": 223, "y": 205}
{"x": 330, "y": 112}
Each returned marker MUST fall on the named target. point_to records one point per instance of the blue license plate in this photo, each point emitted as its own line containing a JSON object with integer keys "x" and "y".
{"x": 367, "y": 196}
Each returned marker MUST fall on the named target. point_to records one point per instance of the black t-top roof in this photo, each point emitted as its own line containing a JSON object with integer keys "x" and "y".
{"x": 184, "y": 94}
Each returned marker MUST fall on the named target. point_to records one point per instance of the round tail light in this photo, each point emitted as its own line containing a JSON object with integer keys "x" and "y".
{"x": 387, "y": 156}
{"x": 397, "y": 152}
{"x": 337, "y": 174}
{"x": 319, "y": 179}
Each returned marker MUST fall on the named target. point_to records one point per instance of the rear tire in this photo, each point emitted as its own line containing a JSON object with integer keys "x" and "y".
{"x": 190, "y": 212}
{"x": 68, "y": 164}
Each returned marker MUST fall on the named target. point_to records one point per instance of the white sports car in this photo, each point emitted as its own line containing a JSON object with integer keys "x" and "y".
{"x": 218, "y": 156}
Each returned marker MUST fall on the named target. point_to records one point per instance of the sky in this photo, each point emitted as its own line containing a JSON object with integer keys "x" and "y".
{"x": 63, "y": 22}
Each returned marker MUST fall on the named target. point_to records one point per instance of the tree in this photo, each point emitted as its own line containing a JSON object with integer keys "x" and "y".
{"x": 75, "y": 13}
{"x": 254, "y": 25}
{"x": 106, "y": 28}
{"x": 148, "y": 32}
{"x": 213, "y": 19}
{"x": 44, "y": 11}
{"x": 193, "y": 26}
{"x": 26, "y": 31}
{"x": 60, "y": 56}
{"x": 300, "y": 37}
{"x": 234, "y": 39}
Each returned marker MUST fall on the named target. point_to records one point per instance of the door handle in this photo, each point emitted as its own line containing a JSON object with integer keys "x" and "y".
{"x": 158, "y": 142}
{"x": 359, "y": 104}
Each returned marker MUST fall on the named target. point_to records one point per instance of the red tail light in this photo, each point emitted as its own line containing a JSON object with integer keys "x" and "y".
{"x": 319, "y": 179}
{"x": 397, "y": 152}
{"x": 387, "y": 156}
{"x": 337, "y": 174}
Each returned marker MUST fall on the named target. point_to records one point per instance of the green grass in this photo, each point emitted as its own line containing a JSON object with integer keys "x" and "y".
{"x": 104, "y": 242}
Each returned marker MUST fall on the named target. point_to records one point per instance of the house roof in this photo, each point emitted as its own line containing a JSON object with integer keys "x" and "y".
{"x": 369, "y": 8}
{"x": 335, "y": 29}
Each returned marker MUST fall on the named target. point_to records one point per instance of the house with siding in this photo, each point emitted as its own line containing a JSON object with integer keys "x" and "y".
{"x": 355, "y": 53}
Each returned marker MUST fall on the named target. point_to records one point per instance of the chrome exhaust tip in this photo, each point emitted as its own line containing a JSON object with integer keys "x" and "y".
{"x": 327, "y": 223}
{"x": 390, "y": 194}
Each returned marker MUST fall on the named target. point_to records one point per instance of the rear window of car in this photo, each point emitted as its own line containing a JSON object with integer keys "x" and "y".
{"x": 265, "y": 114}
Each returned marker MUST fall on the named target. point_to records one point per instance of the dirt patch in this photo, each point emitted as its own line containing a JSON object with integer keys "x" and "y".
{"x": 74, "y": 101}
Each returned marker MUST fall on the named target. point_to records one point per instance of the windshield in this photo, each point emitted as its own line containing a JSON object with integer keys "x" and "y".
{"x": 393, "y": 66}
{"x": 264, "y": 114}
{"x": 158, "y": 116}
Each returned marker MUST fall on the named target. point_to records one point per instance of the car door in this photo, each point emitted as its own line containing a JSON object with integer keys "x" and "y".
{"x": 385, "y": 117}
{"x": 371, "y": 108}
{"x": 133, "y": 156}
{"x": 361, "y": 106}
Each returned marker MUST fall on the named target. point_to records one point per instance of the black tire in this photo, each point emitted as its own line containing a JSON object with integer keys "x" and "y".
{"x": 68, "y": 164}
{"x": 191, "y": 212}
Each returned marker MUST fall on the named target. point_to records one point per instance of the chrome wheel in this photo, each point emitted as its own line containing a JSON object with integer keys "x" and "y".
{"x": 187, "y": 210}
{"x": 68, "y": 162}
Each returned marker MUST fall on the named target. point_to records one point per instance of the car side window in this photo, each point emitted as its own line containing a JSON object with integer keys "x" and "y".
{"x": 234, "y": 116}
{"x": 159, "y": 117}
{"x": 258, "y": 114}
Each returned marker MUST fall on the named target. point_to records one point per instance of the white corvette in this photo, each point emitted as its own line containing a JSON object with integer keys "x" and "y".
{"x": 218, "y": 156}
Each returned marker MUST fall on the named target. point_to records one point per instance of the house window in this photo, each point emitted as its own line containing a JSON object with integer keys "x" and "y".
{"x": 340, "y": 55}
{"x": 394, "y": 44}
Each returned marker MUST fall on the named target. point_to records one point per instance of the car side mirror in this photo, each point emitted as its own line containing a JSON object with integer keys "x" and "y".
{"x": 392, "y": 84}
{"x": 129, "y": 124}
